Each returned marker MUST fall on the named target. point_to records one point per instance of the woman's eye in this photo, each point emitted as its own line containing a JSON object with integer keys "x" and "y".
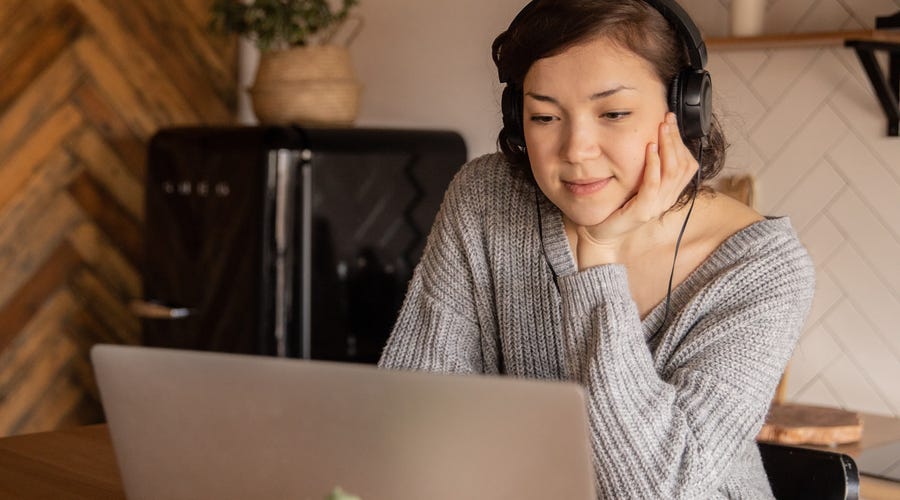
{"x": 541, "y": 118}
{"x": 615, "y": 115}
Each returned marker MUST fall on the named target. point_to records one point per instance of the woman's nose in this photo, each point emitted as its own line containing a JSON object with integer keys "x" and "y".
{"x": 581, "y": 143}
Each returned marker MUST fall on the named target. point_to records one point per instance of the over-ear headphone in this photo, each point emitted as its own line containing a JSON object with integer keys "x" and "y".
{"x": 689, "y": 95}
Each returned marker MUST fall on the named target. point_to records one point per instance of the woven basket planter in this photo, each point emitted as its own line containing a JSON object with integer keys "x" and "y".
{"x": 311, "y": 86}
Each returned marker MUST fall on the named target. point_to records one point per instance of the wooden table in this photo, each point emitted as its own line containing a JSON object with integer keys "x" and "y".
{"x": 71, "y": 464}
{"x": 80, "y": 463}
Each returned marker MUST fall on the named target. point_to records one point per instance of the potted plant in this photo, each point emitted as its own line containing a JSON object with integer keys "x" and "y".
{"x": 305, "y": 75}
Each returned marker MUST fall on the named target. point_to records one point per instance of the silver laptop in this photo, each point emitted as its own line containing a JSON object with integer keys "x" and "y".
{"x": 187, "y": 424}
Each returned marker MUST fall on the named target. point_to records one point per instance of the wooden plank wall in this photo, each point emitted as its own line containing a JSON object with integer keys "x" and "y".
{"x": 85, "y": 85}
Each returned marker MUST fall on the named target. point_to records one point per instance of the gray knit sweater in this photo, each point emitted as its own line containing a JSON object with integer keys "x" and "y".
{"x": 672, "y": 415}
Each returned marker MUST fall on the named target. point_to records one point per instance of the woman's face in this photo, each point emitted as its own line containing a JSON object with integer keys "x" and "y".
{"x": 589, "y": 114}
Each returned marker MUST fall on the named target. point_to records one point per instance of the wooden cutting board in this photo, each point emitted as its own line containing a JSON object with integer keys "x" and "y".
{"x": 804, "y": 424}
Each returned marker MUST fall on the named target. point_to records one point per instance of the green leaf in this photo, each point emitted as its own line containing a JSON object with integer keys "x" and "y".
{"x": 278, "y": 24}
{"x": 339, "y": 494}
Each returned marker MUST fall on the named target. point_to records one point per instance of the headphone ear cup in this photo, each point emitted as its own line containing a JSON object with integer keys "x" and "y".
{"x": 511, "y": 106}
{"x": 690, "y": 98}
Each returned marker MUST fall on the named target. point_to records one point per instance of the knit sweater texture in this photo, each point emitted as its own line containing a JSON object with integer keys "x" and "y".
{"x": 672, "y": 414}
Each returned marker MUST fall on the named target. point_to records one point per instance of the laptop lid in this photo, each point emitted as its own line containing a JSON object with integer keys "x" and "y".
{"x": 190, "y": 424}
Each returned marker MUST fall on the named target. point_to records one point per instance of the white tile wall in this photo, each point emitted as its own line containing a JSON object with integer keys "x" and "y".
{"x": 828, "y": 15}
{"x": 779, "y": 71}
{"x": 879, "y": 248}
{"x": 819, "y": 393}
{"x": 804, "y": 147}
{"x": 828, "y": 294}
{"x": 868, "y": 353}
{"x": 815, "y": 190}
{"x": 806, "y": 123}
{"x": 817, "y": 349}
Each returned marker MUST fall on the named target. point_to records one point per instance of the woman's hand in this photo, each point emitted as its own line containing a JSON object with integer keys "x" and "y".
{"x": 668, "y": 168}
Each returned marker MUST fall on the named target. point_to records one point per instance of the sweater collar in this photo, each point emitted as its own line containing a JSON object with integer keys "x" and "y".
{"x": 555, "y": 243}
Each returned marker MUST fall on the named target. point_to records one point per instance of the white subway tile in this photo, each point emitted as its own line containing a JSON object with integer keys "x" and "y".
{"x": 804, "y": 151}
{"x": 812, "y": 195}
{"x": 782, "y": 68}
{"x": 827, "y": 295}
{"x": 853, "y": 25}
{"x": 870, "y": 237}
{"x": 783, "y": 16}
{"x": 857, "y": 105}
{"x": 816, "y": 393}
{"x": 815, "y": 351}
{"x": 746, "y": 62}
{"x": 855, "y": 390}
{"x": 866, "y": 11}
{"x": 865, "y": 289}
{"x": 797, "y": 104}
{"x": 886, "y": 149}
{"x": 736, "y": 104}
{"x": 742, "y": 157}
{"x": 822, "y": 239}
{"x": 827, "y": 15}
{"x": 851, "y": 63}
{"x": 870, "y": 177}
{"x": 871, "y": 355}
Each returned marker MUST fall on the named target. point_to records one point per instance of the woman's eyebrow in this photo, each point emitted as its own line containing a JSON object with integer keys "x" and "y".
{"x": 598, "y": 95}
{"x": 607, "y": 93}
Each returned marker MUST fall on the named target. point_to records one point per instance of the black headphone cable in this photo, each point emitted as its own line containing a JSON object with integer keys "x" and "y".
{"x": 687, "y": 217}
{"x": 537, "y": 204}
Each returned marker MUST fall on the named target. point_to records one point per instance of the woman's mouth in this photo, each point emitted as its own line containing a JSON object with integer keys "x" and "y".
{"x": 584, "y": 187}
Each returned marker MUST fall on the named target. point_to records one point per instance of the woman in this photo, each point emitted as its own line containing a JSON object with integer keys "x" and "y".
{"x": 553, "y": 259}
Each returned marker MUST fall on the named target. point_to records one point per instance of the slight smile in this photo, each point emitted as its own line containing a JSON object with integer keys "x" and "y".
{"x": 586, "y": 186}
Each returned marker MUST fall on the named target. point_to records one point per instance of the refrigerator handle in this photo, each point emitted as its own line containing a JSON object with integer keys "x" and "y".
{"x": 151, "y": 310}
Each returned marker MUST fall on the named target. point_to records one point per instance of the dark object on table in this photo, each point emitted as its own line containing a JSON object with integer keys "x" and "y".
{"x": 801, "y": 473}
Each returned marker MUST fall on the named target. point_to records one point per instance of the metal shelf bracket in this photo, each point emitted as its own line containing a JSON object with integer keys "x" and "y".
{"x": 886, "y": 86}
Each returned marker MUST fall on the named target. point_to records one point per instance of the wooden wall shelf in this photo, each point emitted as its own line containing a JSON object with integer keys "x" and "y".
{"x": 884, "y": 38}
{"x": 801, "y": 40}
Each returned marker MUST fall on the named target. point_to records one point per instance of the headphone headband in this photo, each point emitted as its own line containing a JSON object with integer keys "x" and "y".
{"x": 670, "y": 10}
{"x": 686, "y": 28}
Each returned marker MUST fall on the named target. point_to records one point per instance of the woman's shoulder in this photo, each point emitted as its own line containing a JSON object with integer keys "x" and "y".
{"x": 484, "y": 179}
{"x": 722, "y": 216}
{"x": 487, "y": 167}
{"x": 740, "y": 223}
{"x": 730, "y": 232}
{"x": 743, "y": 236}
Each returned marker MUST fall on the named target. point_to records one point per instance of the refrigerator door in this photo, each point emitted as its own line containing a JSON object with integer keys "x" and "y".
{"x": 203, "y": 240}
{"x": 366, "y": 202}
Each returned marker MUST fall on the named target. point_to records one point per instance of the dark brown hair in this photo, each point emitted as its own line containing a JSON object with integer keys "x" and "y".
{"x": 549, "y": 27}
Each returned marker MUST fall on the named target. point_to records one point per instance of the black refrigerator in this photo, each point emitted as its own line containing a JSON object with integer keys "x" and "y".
{"x": 287, "y": 241}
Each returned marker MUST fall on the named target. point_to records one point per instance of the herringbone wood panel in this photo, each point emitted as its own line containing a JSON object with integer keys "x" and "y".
{"x": 86, "y": 84}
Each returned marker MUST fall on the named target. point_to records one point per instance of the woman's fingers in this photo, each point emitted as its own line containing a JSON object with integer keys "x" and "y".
{"x": 684, "y": 155}
{"x": 652, "y": 167}
{"x": 669, "y": 139}
{"x": 678, "y": 164}
{"x": 660, "y": 165}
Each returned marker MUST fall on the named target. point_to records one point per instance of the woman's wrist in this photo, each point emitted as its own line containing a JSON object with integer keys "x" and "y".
{"x": 591, "y": 252}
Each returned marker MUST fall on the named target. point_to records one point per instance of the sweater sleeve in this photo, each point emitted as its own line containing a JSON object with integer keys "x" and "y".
{"x": 437, "y": 328}
{"x": 673, "y": 431}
